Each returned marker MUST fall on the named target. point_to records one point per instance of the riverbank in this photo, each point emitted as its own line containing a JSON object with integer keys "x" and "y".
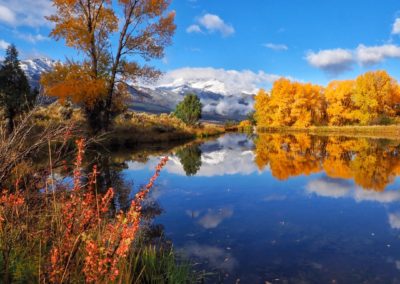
{"x": 133, "y": 128}
{"x": 373, "y": 131}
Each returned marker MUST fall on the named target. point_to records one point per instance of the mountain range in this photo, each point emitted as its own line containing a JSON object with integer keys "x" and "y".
{"x": 220, "y": 100}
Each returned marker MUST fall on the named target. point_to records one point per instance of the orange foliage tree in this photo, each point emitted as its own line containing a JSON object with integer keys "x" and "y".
{"x": 290, "y": 104}
{"x": 373, "y": 98}
{"x": 142, "y": 29}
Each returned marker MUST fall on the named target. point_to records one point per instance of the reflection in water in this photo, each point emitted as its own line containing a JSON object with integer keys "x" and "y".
{"x": 373, "y": 164}
{"x": 190, "y": 158}
{"x": 297, "y": 208}
{"x": 227, "y": 155}
{"x": 217, "y": 257}
{"x": 215, "y": 217}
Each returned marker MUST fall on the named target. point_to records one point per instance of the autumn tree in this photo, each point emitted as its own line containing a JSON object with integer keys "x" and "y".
{"x": 16, "y": 95}
{"x": 262, "y": 114}
{"x": 113, "y": 39}
{"x": 282, "y": 99}
{"x": 308, "y": 107}
{"x": 376, "y": 96}
{"x": 189, "y": 110}
{"x": 340, "y": 104}
{"x": 290, "y": 104}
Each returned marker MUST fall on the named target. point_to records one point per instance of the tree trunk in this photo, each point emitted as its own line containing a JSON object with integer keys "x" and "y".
{"x": 10, "y": 124}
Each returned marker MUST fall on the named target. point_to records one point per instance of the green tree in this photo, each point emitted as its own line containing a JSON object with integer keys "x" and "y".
{"x": 189, "y": 110}
{"x": 16, "y": 95}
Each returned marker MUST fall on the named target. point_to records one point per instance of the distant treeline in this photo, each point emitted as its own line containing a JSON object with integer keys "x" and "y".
{"x": 372, "y": 98}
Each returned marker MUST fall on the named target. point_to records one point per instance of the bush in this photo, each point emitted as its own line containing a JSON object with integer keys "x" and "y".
{"x": 189, "y": 110}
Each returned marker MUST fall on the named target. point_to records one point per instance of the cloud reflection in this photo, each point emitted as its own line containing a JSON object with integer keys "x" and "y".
{"x": 213, "y": 218}
{"x": 337, "y": 188}
{"x": 215, "y": 256}
{"x": 228, "y": 155}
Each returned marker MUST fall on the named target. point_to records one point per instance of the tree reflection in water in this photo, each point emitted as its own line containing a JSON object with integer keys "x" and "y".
{"x": 190, "y": 158}
{"x": 371, "y": 163}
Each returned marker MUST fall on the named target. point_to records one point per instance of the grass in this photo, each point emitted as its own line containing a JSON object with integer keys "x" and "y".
{"x": 152, "y": 264}
{"x": 372, "y": 131}
{"x": 57, "y": 232}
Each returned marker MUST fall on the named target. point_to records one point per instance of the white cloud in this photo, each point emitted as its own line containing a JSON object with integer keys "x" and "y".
{"x": 214, "y": 23}
{"x": 333, "y": 61}
{"x": 229, "y": 82}
{"x": 32, "y": 38}
{"x": 276, "y": 47}
{"x": 3, "y": 44}
{"x": 211, "y": 23}
{"x": 368, "y": 55}
{"x": 6, "y": 15}
{"x": 193, "y": 29}
{"x": 25, "y": 12}
{"x": 396, "y": 27}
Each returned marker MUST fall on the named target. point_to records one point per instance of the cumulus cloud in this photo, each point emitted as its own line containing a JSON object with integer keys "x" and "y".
{"x": 214, "y": 23}
{"x": 396, "y": 27}
{"x": 193, "y": 29}
{"x": 276, "y": 47}
{"x": 25, "y": 12}
{"x": 369, "y": 55}
{"x": 332, "y": 61}
{"x": 336, "y": 61}
{"x": 3, "y": 44}
{"x": 211, "y": 23}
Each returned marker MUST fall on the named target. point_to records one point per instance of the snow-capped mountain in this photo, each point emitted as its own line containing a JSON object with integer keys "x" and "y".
{"x": 33, "y": 68}
{"x": 222, "y": 93}
{"x": 218, "y": 103}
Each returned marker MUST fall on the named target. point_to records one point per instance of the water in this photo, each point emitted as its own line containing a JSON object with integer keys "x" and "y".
{"x": 282, "y": 208}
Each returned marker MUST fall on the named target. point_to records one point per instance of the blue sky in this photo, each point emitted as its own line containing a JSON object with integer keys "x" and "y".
{"x": 309, "y": 40}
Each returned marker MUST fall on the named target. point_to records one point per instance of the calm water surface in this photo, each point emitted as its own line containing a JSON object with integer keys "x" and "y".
{"x": 282, "y": 208}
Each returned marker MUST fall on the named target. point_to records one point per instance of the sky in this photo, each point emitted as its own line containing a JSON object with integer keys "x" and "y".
{"x": 306, "y": 40}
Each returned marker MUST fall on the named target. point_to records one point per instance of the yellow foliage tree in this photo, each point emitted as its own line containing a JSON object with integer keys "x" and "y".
{"x": 372, "y": 98}
{"x": 290, "y": 104}
{"x": 340, "y": 106}
{"x": 376, "y": 96}
{"x": 262, "y": 109}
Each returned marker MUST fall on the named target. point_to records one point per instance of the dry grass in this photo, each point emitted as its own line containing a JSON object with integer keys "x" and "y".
{"x": 373, "y": 131}
{"x": 27, "y": 140}
{"x": 132, "y": 128}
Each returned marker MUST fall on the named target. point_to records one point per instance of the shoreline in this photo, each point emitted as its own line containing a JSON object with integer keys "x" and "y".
{"x": 373, "y": 131}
